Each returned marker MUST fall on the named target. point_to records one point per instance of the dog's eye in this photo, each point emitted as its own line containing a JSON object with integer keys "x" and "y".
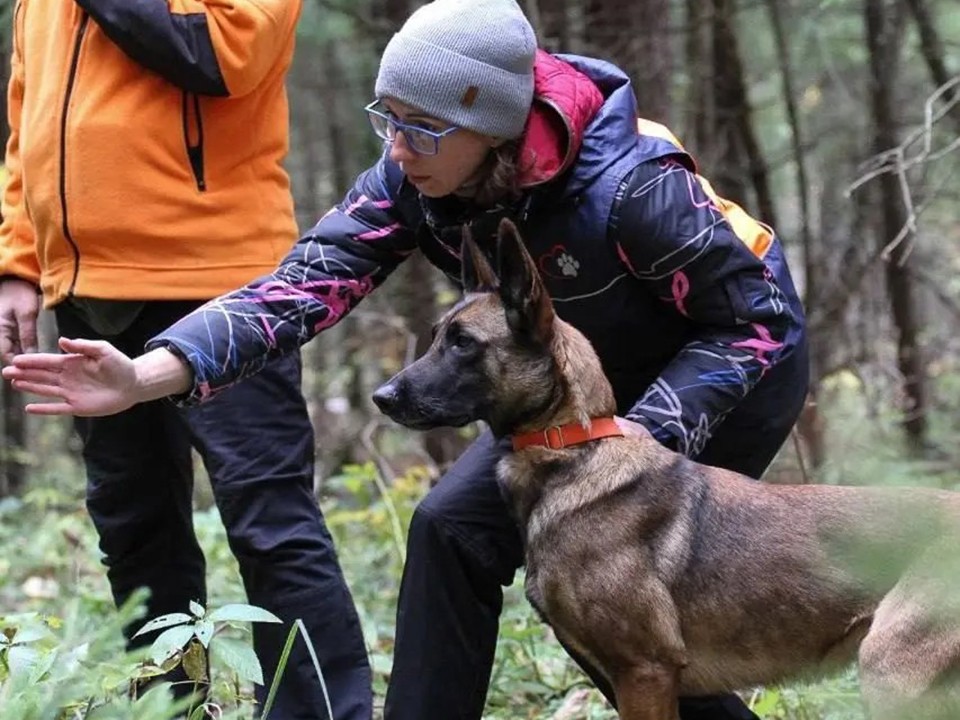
{"x": 462, "y": 341}
{"x": 458, "y": 339}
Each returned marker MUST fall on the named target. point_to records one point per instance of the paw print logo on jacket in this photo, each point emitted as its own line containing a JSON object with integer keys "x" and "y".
{"x": 569, "y": 265}
{"x": 558, "y": 263}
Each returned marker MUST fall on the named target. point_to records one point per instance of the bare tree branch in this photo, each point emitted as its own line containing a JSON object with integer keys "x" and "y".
{"x": 932, "y": 49}
{"x": 896, "y": 161}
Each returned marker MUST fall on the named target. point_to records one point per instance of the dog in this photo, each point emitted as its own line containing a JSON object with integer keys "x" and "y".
{"x": 671, "y": 577}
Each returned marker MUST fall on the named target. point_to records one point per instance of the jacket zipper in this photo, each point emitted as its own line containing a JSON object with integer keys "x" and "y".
{"x": 194, "y": 150}
{"x": 63, "y": 150}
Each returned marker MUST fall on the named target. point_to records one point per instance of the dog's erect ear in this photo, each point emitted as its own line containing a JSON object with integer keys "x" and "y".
{"x": 528, "y": 307}
{"x": 475, "y": 271}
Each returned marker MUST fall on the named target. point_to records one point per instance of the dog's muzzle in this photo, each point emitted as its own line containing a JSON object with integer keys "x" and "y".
{"x": 387, "y": 398}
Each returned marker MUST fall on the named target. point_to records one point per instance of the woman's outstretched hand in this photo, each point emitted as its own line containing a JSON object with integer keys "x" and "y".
{"x": 93, "y": 378}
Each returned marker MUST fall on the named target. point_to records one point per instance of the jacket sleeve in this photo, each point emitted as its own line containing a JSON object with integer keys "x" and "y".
{"x": 18, "y": 253}
{"x": 208, "y": 47}
{"x": 336, "y": 264}
{"x": 676, "y": 240}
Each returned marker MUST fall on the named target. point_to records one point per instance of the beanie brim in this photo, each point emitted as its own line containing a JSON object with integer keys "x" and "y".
{"x": 454, "y": 88}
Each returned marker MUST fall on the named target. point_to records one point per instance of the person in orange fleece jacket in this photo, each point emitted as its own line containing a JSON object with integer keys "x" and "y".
{"x": 145, "y": 162}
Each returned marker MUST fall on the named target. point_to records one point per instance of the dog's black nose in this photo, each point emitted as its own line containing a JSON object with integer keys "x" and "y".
{"x": 386, "y": 397}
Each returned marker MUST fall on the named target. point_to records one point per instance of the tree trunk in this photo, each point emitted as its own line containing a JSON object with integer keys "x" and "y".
{"x": 796, "y": 146}
{"x": 699, "y": 107}
{"x": 651, "y": 59}
{"x": 739, "y": 146}
{"x": 307, "y": 126}
{"x": 636, "y": 37}
{"x": 337, "y": 135}
{"x": 396, "y": 13}
{"x": 932, "y": 49}
{"x": 883, "y": 45}
{"x": 550, "y": 20}
{"x": 13, "y": 470}
{"x": 811, "y": 424}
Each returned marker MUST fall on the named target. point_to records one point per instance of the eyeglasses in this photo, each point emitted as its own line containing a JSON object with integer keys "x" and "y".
{"x": 421, "y": 140}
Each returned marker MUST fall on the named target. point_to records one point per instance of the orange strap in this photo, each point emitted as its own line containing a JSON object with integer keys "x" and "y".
{"x": 561, "y": 436}
{"x": 755, "y": 235}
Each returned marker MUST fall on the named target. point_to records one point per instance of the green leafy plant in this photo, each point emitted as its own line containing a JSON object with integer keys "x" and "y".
{"x": 189, "y": 640}
{"x": 54, "y": 668}
{"x": 23, "y": 641}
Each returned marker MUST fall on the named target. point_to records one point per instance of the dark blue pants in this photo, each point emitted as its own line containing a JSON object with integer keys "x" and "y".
{"x": 256, "y": 442}
{"x": 463, "y": 547}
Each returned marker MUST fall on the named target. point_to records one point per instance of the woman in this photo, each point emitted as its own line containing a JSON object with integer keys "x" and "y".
{"x": 687, "y": 300}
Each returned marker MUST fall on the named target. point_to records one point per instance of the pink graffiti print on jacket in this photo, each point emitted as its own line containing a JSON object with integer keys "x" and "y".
{"x": 339, "y": 296}
{"x": 378, "y": 233}
{"x": 625, "y": 259}
{"x": 271, "y": 336}
{"x": 680, "y": 288}
{"x": 380, "y": 204}
{"x": 760, "y": 346}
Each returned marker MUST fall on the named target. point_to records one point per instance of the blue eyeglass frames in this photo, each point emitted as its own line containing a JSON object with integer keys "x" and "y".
{"x": 421, "y": 140}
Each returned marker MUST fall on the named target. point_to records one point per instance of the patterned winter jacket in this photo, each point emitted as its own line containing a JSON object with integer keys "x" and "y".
{"x": 687, "y": 300}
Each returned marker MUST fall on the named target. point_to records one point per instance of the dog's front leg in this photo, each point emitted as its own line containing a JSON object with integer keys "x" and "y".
{"x": 647, "y": 691}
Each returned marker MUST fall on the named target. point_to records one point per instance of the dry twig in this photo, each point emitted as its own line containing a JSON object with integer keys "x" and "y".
{"x": 897, "y": 160}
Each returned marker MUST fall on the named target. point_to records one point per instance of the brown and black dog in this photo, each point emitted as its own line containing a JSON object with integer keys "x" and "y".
{"x": 671, "y": 577}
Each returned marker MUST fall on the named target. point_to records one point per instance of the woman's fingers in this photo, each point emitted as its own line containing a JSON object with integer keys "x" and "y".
{"x": 43, "y": 361}
{"x": 89, "y": 348}
{"x": 37, "y": 388}
{"x": 77, "y": 351}
{"x": 44, "y": 377}
{"x": 49, "y": 409}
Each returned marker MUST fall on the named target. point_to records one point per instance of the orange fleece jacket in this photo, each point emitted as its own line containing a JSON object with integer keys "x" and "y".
{"x": 146, "y": 146}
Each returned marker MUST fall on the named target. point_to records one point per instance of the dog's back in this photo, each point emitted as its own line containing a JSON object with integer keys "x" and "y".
{"x": 739, "y": 582}
{"x": 784, "y": 581}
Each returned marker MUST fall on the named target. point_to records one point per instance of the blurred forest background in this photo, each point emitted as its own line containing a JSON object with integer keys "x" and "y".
{"x": 835, "y": 121}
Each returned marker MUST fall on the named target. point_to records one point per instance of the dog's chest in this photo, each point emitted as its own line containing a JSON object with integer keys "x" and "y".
{"x": 564, "y": 552}
{"x": 548, "y": 586}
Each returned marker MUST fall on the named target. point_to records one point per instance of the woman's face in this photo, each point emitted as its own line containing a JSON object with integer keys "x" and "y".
{"x": 460, "y": 154}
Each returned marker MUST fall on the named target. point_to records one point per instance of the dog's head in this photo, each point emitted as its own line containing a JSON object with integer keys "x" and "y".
{"x": 493, "y": 354}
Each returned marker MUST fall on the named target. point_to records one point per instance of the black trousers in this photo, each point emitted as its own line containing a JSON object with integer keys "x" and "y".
{"x": 463, "y": 547}
{"x": 256, "y": 442}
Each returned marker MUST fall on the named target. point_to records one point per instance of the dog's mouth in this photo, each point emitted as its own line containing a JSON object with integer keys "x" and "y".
{"x": 422, "y": 422}
{"x": 420, "y": 411}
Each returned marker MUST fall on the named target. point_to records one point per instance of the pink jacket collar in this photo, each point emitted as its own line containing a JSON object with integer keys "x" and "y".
{"x": 565, "y": 101}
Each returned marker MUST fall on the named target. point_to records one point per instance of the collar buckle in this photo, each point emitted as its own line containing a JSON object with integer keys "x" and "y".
{"x": 553, "y": 437}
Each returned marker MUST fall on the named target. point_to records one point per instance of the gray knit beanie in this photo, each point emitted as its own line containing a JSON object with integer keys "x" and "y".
{"x": 467, "y": 62}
